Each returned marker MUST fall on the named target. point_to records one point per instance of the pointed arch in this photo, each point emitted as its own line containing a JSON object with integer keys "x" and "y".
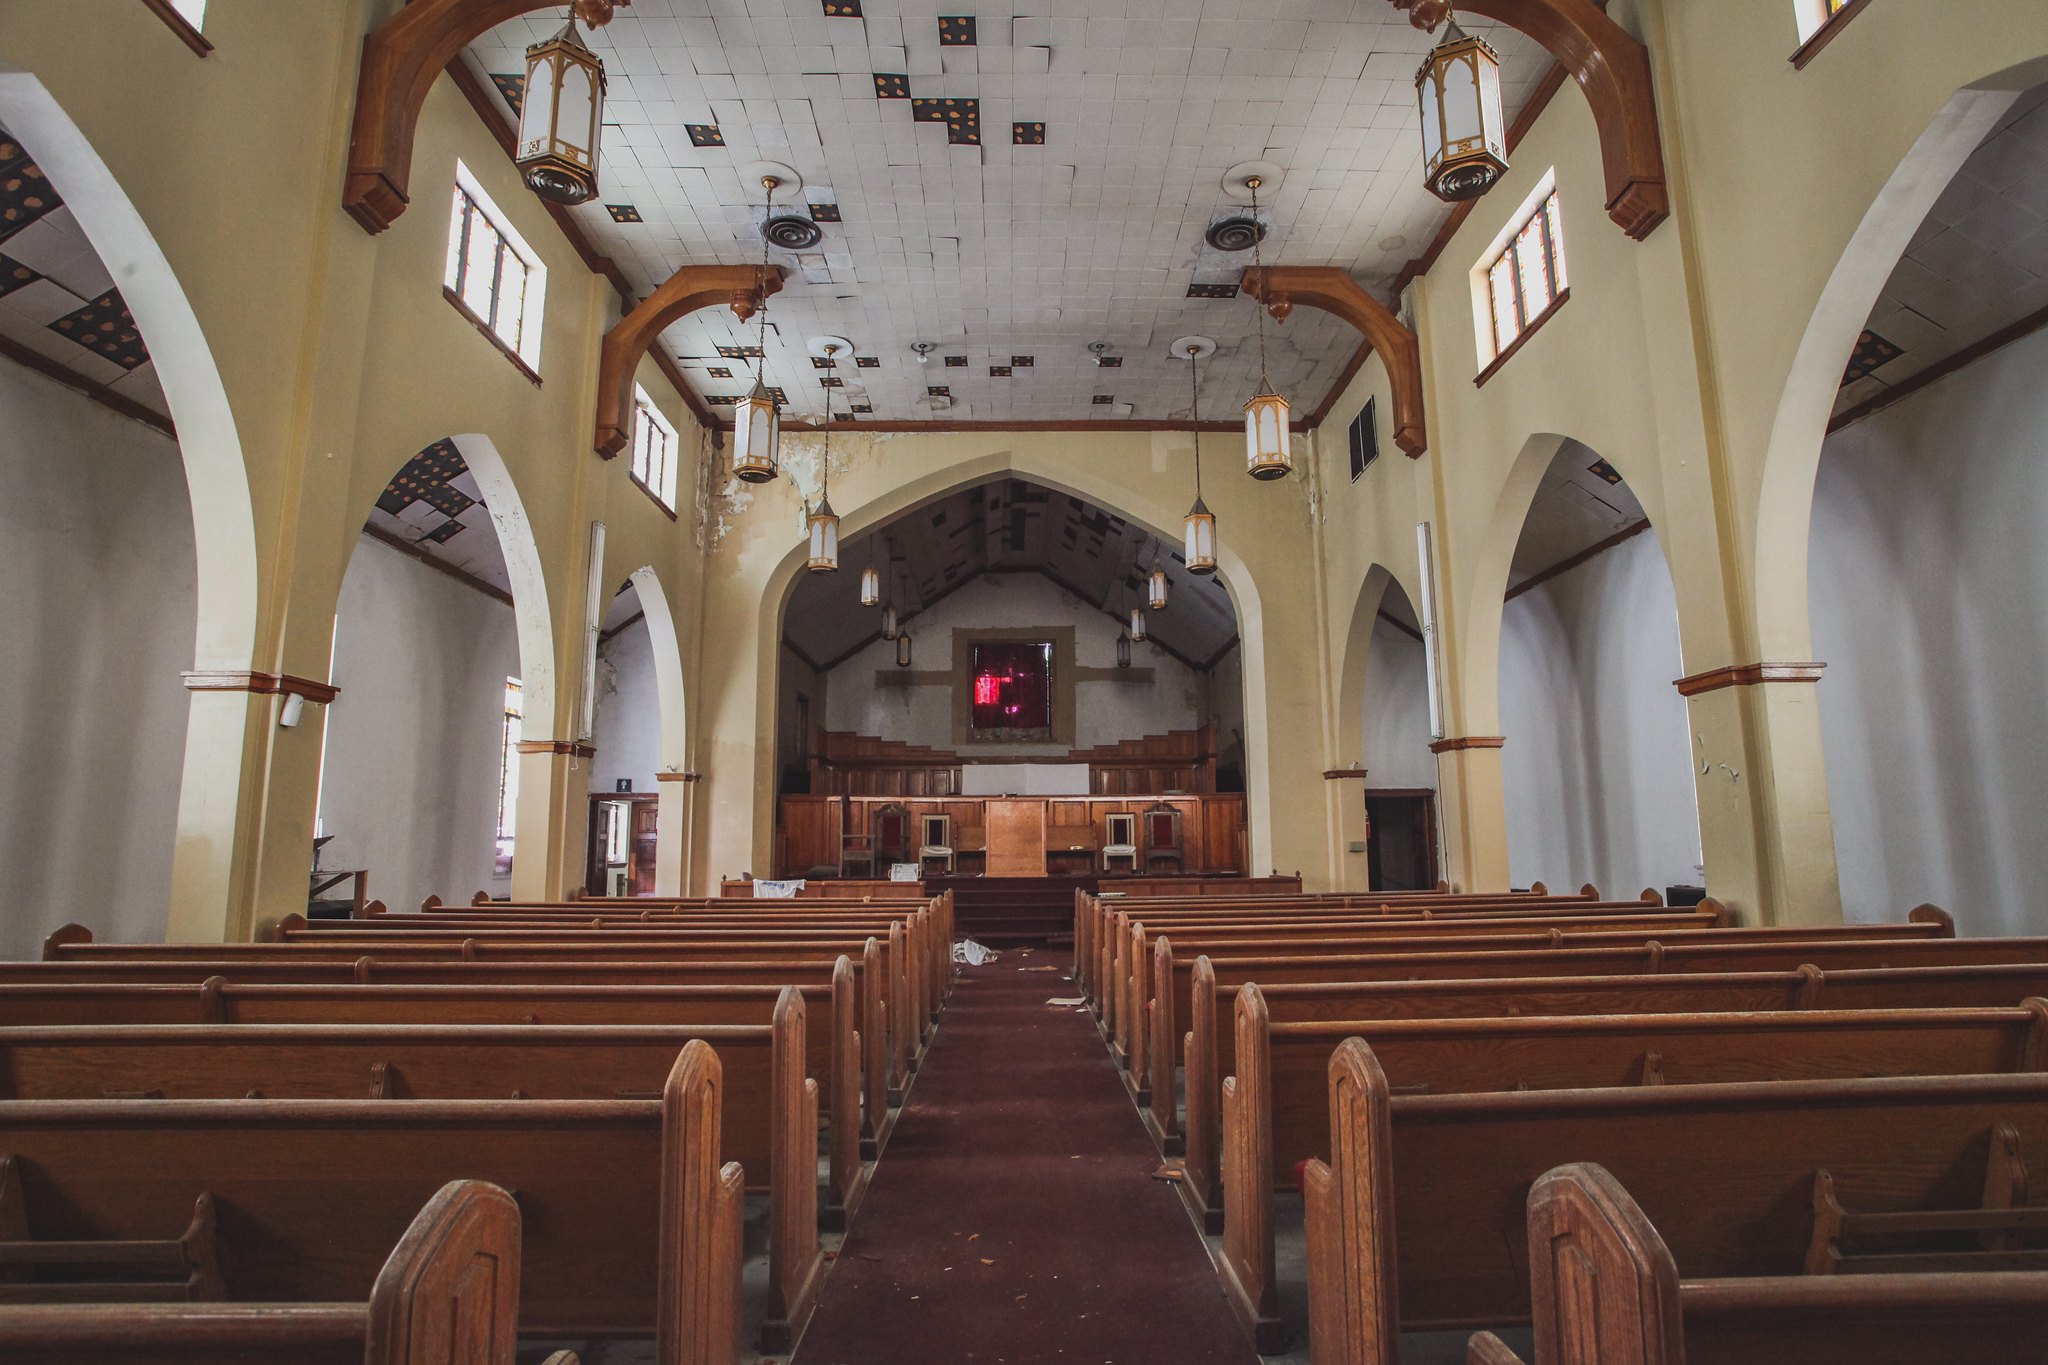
{"x": 532, "y": 620}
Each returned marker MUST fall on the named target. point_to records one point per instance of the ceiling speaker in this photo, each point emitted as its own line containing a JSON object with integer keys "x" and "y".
{"x": 1235, "y": 234}
{"x": 792, "y": 233}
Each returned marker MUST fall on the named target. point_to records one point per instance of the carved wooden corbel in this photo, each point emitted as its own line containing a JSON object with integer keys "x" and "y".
{"x": 401, "y": 62}
{"x": 740, "y": 287}
{"x": 1614, "y": 71}
{"x": 1333, "y": 291}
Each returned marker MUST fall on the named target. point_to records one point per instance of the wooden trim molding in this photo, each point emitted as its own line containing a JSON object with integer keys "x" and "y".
{"x": 1940, "y": 369}
{"x": 1507, "y": 352}
{"x": 561, "y": 747}
{"x": 1570, "y": 562}
{"x": 679, "y": 777}
{"x": 262, "y": 684}
{"x": 1463, "y": 742}
{"x": 180, "y": 25}
{"x": 1334, "y": 291}
{"x": 1746, "y": 675}
{"x": 1334, "y": 774}
{"x": 742, "y": 287}
{"x": 1825, "y": 34}
{"x": 78, "y": 383}
{"x": 1614, "y": 71}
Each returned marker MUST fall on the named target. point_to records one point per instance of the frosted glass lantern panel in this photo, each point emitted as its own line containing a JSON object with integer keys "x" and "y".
{"x": 1461, "y": 102}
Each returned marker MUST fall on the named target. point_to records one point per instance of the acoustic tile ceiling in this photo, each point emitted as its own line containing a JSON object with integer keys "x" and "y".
{"x": 56, "y": 298}
{"x": 1978, "y": 264}
{"x": 433, "y": 504}
{"x": 1011, "y": 178}
{"x": 1009, "y": 526}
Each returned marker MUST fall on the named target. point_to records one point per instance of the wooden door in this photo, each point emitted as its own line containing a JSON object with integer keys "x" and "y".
{"x": 1401, "y": 840}
{"x": 1016, "y": 838}
{"x": 640, "y": 857}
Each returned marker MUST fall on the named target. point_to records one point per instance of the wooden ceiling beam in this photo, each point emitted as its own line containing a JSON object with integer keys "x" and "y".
{"x": 401, "y": 61}
{"x": 1281, "y": 287}
{"x": 740, "y": 287}
{"x": 1614, "y": 71}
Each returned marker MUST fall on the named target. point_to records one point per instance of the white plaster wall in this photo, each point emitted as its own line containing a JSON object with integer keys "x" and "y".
{"x": 1597, "y": 767}
{"x": 1226, "y": 711}
{"x": 97, "y": 612}
{"x": 1929, "y": 582}
{"x": 627, "y": 732}
{"x": 1105, "y": 711}
{"x": 414, "y": 739}
{"x": 1397, "y": 711}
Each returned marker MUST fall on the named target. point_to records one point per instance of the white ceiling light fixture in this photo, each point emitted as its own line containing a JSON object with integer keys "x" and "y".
{"x": 1268, "y": 451}
{"x": 561, "y": 118}
{"x": 757, "y": 422}
{"x": 823, "y": 522}
{"x": 1464, "y": 133}
{"x": 924, "y": 350}
{"x": 1198, "y": 548}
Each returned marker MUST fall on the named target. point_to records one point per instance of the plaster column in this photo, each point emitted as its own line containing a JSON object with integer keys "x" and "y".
{"x": 1472, "y": 805}
{"x": 551, "y": 824}
{"x": 1766, "y": 832}
{"x": 213, "y": 868}
{"x": 672, "y": 832}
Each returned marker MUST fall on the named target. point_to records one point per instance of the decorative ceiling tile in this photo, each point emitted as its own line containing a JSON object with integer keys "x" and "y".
{"x": 624, "y": 213}
{"x": 512, "y": 89}
{"x": 105, "y": 328}
{"x": 1872, "y": 353}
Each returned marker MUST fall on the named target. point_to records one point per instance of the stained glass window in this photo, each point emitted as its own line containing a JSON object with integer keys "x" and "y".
{"x": 1012, "y": 695}
{"x": 1528, "y": 275}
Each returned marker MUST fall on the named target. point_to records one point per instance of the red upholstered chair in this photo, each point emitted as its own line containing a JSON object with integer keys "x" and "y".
{"x": 891, "y": 833}
{"x": 1163, "y": 839}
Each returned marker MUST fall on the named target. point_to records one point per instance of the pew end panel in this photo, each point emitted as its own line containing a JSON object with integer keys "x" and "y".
{"x": 1593, "y": 1249}
{"x": 702, "y": 1220}
{"x": 1249, "y": 1263}
{"x": 61, "y": 937}
{"x": 450, "y": 1291}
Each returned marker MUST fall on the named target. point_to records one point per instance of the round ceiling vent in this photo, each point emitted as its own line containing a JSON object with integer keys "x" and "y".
{"x": 792, "y": 233}
{"x": 1235, "y": 234}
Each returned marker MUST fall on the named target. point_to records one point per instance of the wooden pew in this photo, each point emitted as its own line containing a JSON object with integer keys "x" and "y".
{"x": 1416, "y": 1220}
{"x": 1153, "y": 1009}
{"x": 632, "y": 1224}
{"x": 618, "y": 960}
{"x": 1606, "y": 1291}
{"x": 1275, "y": 1111}
{"x": 1210, "y": 1051}
{"x": 1092, "y": 913}
{"x": 770, "y": 1107}
{"x": 449, "y": 1291}
{"x": 564, "y": 1016}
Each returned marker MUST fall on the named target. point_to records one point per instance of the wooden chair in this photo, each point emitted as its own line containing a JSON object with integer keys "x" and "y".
{"x": 1163, "y": 842}
{"x": 856, "y": 855}
{"x": 935, "y": 844}
{"x": 1120, "y": 842}
{"x": 890, "y": 832}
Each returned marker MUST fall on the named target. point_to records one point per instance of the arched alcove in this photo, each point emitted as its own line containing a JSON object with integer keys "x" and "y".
{"x": 1596, "y": 766}
{"x": 1926, "y": 572}
{"x": 1388, "y": 797}
{"x": 978, "y": 564}
{"x": 128, "y": 555}
{"x": 639, "y": 738}
{"x": 444, "y": 659}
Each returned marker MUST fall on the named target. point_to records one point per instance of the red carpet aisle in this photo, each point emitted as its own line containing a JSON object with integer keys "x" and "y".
{"x": 1013, "y": 1220}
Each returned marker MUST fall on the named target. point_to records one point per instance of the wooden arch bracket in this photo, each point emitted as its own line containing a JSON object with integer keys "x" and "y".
{"x": 741, "y": 287}
{"x": 401, "y": 62}
{"x": 1614, "y": 71}
{"x": 1281, "y": 287}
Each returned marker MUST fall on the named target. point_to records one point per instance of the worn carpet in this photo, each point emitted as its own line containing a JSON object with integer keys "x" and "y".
{"x": 1013, "y": 1219}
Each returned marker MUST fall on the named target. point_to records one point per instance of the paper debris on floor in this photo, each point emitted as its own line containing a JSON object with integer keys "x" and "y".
{"x": 1068, "y": 1000}
{"x": 972, "y": 953}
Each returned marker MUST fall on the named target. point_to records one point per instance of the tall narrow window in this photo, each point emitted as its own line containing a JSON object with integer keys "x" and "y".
{"x": 1813, "y": 14}
{"x": 192, "y": 12}
{"x": 508, "y": 775}
{"x": 492, "y": 274}
{"x": 1521, "y": 278}
{"x": 654, "y": 450}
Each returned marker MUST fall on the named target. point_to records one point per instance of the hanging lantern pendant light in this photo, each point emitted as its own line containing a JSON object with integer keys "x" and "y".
{"x": 823, "y": 521}
{"x": 1157, "y": 598}
{"x": 1198, "y": 549}
{"x": 1464, "y": 136}
{"x": 757, "y": 422}
{"x": 1268, "y": 453}
{"x": 870, "y": 580}
{"x": 560, "y": 119}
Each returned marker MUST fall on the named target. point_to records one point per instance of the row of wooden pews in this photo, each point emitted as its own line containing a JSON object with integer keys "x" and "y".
{"x": 630, "y": 1073}
{"x": 1774, "y": 1102}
